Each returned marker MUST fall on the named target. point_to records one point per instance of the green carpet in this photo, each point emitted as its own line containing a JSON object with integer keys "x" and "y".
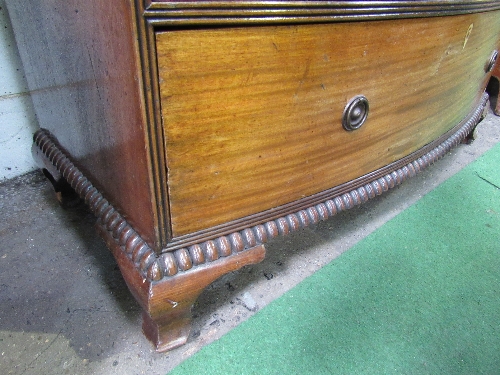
{"x": 421, "y": 295}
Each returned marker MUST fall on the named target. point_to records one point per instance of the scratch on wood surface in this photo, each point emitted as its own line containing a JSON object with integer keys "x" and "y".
{"x": 304, "y": 76}
{"x": 467, "y": 35}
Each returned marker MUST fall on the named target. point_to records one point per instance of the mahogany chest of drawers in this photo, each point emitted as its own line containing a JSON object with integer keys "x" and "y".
{"x": 196, "y": 131}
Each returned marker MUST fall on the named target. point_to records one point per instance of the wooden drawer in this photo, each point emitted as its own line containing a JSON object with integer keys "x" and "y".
{"x": 252, "y": 117}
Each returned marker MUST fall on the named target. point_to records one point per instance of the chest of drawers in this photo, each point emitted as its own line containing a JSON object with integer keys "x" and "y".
{"x": 196, "y": 131}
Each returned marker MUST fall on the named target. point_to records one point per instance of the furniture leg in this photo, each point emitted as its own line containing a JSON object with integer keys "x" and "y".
{"x": 64, "y": 193}
{"x": 167, "y": 321}
{"x": 167, "y": 303}
{"x": 494, "y": 89}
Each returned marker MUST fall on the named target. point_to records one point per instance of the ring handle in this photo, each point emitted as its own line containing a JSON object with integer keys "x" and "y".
{"x": 355, "y": 113}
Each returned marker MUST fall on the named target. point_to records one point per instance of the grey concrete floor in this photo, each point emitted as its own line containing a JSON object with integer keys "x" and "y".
{"x": 64, "y": 308}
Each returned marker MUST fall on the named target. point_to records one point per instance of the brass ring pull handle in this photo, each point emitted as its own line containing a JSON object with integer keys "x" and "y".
{"x": 355, "y": 113}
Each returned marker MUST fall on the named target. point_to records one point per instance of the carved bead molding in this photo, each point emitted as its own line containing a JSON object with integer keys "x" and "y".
{"x": 246, "y": 12}
{"x": 156, "y": 267}
{"x": 130, "y": 241}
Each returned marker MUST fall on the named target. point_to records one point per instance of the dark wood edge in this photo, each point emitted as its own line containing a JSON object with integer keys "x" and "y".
{"x": 138, "y": 285}
{"x": 247, "y": 12}
{"x": 150, "y": 89}
{"x": 154, "y": 268}
{"x": 494, "y": 88}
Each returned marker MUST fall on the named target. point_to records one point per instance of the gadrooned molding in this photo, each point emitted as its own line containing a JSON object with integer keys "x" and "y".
{"x": 231, "y": 12}
{"x": 155, "y": 267}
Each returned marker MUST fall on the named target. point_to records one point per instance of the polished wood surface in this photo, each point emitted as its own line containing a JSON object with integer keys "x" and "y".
{"x": 252, "y": 116}
{"x": 230, "y": 12}
{"x": 82, "y": 67}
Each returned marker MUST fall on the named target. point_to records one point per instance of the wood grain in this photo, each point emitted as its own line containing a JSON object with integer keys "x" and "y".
{"x": 252, "y": 116}
{"x": 82, "y": 66}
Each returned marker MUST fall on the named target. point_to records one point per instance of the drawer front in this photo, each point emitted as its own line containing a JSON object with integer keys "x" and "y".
{"x": 252, "y": 116}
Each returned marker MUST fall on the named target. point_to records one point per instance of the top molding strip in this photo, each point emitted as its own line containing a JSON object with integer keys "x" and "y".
{"x": 254, "y": 12}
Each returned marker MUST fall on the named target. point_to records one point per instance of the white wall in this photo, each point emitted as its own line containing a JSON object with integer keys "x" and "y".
{"x": 17, "y": 119}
